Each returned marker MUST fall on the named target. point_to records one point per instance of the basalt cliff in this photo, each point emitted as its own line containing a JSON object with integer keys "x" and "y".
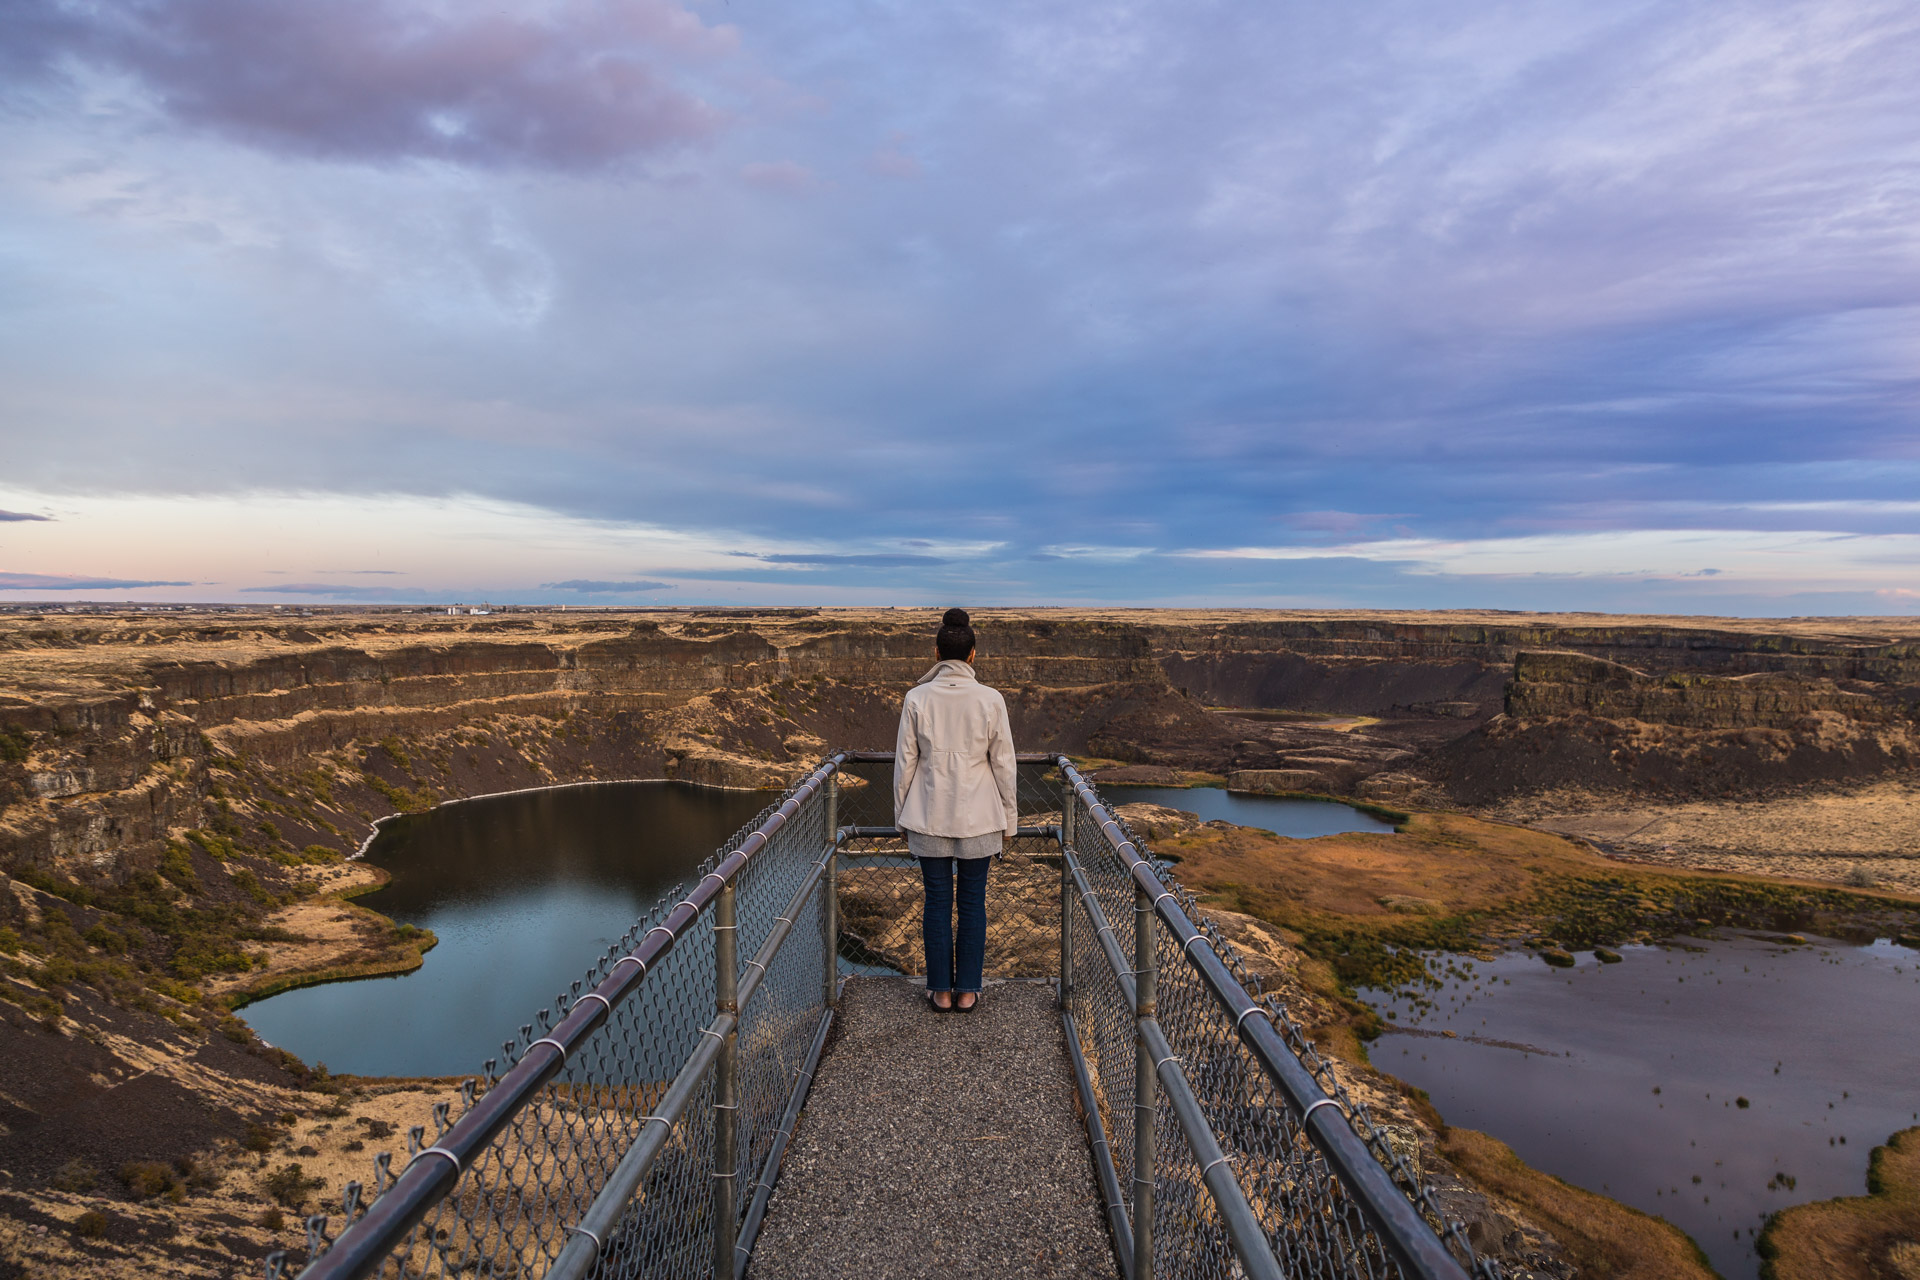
{"x": 274, "y": 734}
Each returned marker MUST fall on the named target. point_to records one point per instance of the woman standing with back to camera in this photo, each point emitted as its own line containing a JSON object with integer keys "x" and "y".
{"x": 953, "y": 794}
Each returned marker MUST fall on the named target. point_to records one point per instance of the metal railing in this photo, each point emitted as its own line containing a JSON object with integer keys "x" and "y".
{"x": 640, "y": 1123}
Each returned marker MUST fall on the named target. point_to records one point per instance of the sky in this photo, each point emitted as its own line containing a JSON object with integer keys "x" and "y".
{"x": 1542, "y": 305}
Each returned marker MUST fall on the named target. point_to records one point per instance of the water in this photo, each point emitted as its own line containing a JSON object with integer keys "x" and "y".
{"x": 1301, "y": 819}
{"x": 1626, "y": 1078}
{"x": 524, "y": 892}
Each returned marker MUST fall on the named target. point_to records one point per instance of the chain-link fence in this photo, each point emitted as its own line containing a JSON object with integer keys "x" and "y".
{"x": 1246, "y": 1098}
{"x": 637, "y": 1125}
{"x": 589, "y": 1146}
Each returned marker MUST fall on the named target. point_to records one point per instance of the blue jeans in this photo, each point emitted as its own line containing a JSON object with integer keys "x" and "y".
{"x": 955, "y": 956}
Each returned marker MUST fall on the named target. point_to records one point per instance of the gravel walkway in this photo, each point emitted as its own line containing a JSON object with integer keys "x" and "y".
{"x": 938, "y": 1145}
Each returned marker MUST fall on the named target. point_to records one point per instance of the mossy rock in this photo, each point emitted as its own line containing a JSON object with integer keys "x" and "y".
{"x": 1557, "y": 958}
{"x": 1606, "y": 956}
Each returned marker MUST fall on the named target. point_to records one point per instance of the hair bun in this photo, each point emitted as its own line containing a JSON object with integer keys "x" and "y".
{"x": 955, "y": 618}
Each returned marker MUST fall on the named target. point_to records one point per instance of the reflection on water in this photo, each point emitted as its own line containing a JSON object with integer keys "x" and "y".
{"x": 1301, "y": 819}
{"x": 1709, "y": 1085}
{"x": 524, "y": 892}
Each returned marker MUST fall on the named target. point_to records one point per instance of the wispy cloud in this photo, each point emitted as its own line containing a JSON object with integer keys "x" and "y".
{"x": 11, "y": 516}
{"x": 878, "y": 560}
{"x": 338, "y": 591}
{"x": 60, "y": 582}
{"x": 593, "y": 586}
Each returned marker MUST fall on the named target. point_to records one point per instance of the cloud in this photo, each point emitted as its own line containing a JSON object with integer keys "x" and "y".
{"x": 879, "y": 561}
{"x": 7, "y": 516}
{"x": 60, "y": 582}
{"x": 381, "y": 572}
{"x": 337, "y": 591}
{"x": 591, "y": 586}
{"x": 778, "y": 175}
{"x": 567, "y": 85}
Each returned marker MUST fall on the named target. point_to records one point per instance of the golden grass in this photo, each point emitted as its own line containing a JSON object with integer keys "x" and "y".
{"x": 1868, "y": 1237}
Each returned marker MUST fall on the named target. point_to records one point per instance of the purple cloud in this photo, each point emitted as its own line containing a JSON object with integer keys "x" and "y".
{"x": 576, "y": 85}
{"x": 9, "y": 516}
{"x": 63, "y": 582}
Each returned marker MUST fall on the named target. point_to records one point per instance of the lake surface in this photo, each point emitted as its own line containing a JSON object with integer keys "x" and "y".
{"x": 1301, "y": 819}
{"x": 1628, "y": 1078}
{"x": 524, "y": 892}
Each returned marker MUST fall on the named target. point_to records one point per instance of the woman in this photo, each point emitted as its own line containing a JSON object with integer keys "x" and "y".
{"x": 953, "y": 794}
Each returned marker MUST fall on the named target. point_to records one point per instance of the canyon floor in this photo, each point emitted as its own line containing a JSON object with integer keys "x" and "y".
{"x": 178, "y": 791}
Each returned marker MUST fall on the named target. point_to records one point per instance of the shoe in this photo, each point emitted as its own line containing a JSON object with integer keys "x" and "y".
{"x": 939, "y": 1008}
{"x": 966, "y": 1008}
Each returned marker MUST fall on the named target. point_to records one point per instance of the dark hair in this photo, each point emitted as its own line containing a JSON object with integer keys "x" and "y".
{"x": 955, "y": 640}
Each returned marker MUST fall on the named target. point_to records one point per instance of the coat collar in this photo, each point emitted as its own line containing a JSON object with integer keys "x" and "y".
{"x": 950, "y": 667}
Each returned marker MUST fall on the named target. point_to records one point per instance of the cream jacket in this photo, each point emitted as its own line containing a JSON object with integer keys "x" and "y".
{"x": 953, "y": 771}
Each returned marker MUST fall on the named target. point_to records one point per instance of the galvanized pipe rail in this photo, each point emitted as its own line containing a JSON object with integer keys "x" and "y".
{"x": 1401, "y": 1230}
{"x": 435, "y": 1170}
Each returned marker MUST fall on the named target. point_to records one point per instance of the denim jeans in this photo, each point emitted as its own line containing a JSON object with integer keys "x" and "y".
{"x": 955, "y": 956}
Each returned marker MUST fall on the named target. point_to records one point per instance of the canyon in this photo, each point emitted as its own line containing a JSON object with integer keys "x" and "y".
{"x": 180, "y": 792}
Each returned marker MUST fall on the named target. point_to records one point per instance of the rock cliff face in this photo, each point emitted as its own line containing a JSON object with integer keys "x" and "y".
{"x": 280, "y": 739}
{"x": 274, "y": 734}
{"x": 1577, "y": 721}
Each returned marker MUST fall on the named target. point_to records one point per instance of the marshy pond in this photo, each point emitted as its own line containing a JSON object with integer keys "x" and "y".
{"x": 1284, "y": 816}
{"x": 524, "y": 892}
{"x": 1709, "y": 1083}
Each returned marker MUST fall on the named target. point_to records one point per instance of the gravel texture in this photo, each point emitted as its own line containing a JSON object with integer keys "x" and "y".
{"x": 938, "y": 1145}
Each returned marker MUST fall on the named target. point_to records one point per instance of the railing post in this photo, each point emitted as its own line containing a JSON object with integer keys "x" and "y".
{"x": 1068, "y": 802}
{"x": 726, "y": 1083}
{"x": 830, "y": 893}
{"x": 1144, "y": 1093}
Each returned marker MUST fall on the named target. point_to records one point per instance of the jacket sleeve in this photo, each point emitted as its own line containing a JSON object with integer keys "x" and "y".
{"x": 1005, "y": 769}
{"x": 906, "y": 757}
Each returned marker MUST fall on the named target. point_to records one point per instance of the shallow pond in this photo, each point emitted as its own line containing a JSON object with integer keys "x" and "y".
{"x": 524, "y": 891}
{"x": 1709, "y": 1084}
{"x": 1301, "y": 819}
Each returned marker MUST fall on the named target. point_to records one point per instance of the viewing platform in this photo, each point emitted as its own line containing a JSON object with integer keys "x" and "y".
{"x": 938, "y": 1144}
{"x": 750, "y": 1086}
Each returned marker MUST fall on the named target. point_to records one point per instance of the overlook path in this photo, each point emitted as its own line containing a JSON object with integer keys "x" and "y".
{"x": 938, "y": 1145}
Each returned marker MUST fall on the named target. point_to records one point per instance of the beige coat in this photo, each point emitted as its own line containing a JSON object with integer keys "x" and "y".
{"x": 953, "y": 771}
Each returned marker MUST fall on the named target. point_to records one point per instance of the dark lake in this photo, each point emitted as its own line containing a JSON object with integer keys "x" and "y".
{"x": 1627, "y": 1078}
{"x": 1301, "y": 819}
{"x": 524, "y": 891}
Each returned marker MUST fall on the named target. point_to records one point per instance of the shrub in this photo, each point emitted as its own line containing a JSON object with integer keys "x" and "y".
{"x": 289, "y": 1185}
{"x": 320, "y": 855}
{"x": 58, "y": 971}
{"x": 377, "y": 1129}
{"x": 249, "y": 884}
{"x": 396, "y": 752}
{"x": 149, "y": 1178}
{"x": 14, "y": 744}
{"x": 90, "y": 1225}
{"x": 273, "y": 1220}
{"x": 172, "y": 989}
{"x": 199, "y": 1177}
{"x": 269, "y": 829}
{"x": 74, "y": 893}
{"x": 106, "y": 939}
{"x": 217, "y": 847}
{"x": 177, "y": 865}
{"x": 261, "y": 1137}
{"x": 76, "y": 1175}
{"x": 9, "y": 941}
